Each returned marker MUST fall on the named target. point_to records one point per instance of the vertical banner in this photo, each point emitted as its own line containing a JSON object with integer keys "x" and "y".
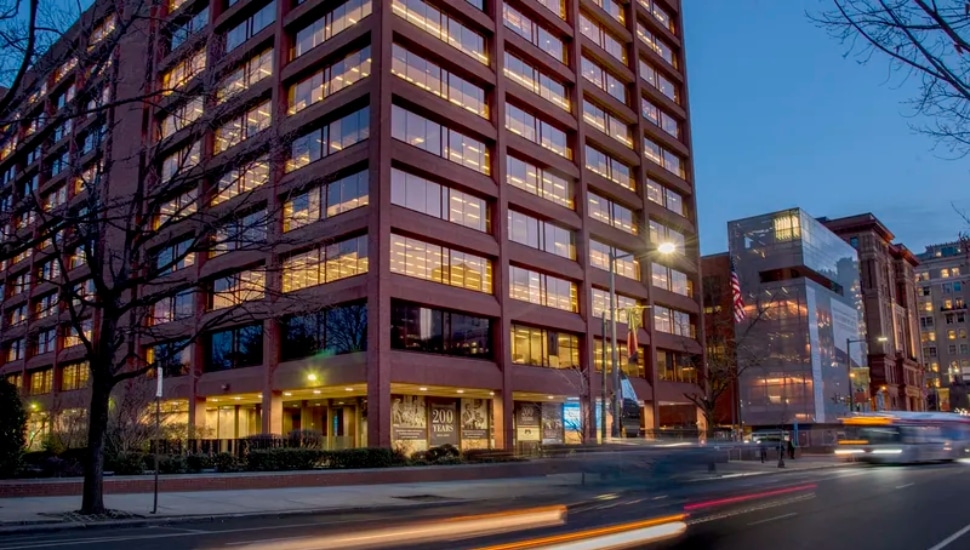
{"x": 409, "y": 422}
{"x": 444, "y": 423}
{"x": 474, "y": 424}
{"x": 552, "y": 426}
{"x": 528, "y": 421}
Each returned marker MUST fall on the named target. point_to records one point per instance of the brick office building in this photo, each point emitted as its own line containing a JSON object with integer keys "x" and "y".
{"x": 466, "y": 168}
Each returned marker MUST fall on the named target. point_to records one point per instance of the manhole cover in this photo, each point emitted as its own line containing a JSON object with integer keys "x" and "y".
{"x": 424, "y": 498}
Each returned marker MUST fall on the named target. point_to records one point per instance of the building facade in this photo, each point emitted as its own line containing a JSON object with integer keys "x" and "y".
{"x": 942, "y": 276}
{"x": 719, "y": 332}
{"x": 803, "y": 320}
{"x": 465, "y": 172}
{"x": 888, "y": 276}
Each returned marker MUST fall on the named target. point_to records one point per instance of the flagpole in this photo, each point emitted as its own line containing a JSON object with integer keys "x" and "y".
{"x": 615, "y": 432}
{"x": 159, "y": 373}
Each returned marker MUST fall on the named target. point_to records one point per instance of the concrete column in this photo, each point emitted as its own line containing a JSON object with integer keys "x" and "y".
{"x": 197, "y": 427}
{"x": 272, "y": 412}
{"x": 502, "y": 424}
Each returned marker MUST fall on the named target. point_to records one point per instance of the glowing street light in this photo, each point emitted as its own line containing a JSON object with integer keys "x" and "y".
{"x": 666, "y": 248}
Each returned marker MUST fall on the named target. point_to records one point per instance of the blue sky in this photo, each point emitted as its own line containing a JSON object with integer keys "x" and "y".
{"x": 780, "y": 119}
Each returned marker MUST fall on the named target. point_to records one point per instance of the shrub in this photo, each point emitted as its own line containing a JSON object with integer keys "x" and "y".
{"x": 225, "y": 462}
{"x": 308, "y": 439}
{"x": 171, "y": 464}
{"x": 195, "y": 463}
{"x": 126, "y": 463}
{"x": 274, "y": 460}
{"x": 434, "y": 454}
{"x": 373, "y": 457}
{"x": 13, "y": 429}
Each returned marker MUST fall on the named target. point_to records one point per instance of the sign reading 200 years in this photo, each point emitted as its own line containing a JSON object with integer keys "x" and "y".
{"x": 444, "y": 423}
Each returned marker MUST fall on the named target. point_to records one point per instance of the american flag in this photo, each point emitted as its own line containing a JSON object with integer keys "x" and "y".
{"x": 736, "y": 298}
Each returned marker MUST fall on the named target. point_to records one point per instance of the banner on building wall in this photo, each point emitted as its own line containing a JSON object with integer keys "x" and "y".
{"x": 409, "y": 417}
{"x": 444, "y": 423}
{"x": 552, "y": 425}
{"x": 474, "y": 419}
{"x": 528, "y": 421}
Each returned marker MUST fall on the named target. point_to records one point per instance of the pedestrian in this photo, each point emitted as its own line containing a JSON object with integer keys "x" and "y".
{"x": 763, "y": 451}
{"x": 791, "y": 449}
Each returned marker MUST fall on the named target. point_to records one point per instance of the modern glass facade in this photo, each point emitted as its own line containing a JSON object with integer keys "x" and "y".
{"x": 803, "y": 305}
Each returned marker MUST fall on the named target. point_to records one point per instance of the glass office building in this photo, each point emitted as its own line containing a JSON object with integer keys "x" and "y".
{"x": 803, "y": 309}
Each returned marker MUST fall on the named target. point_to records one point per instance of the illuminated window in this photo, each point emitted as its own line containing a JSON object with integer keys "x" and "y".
{"x": 178, "y": 208}
{"x": 251, "y": 26}
{"x": 41, "y": 381}
{"x": 183, "y": 71}
{"x": 245, "y": 126}
{"x": 64, "y": 69}
{"x": 539, "y": 182}
{"x": 656, "y": 44}
{"x": 21, "y": 283}
{"x": 16, "y": 350}
{"x": 75, "y": 376}
{"x": 181, "y": 161}
{"x": 329, "y": 139}
{"x": 342, "y": 17}
{"x": 180, "y": 34}
{"x": 326, "y": 264}
{"x": 444, "y": 28}
{"x": 613, "y": 8}
{"x": 330, "y": 80}
{"x": 73, "y": 338}
{"x": 102, "y": 30}
{"x": 557, "y": 7}
{"x": 541, "y": 289}
{"x": 613, "y": 214}
{"x": 174, "y": 358}
{"x": 672, "y": 321}
{"x": 676, "y": 367}
{"x": 541, "y": 235}
{"x": 607, "y": 123}
{"x": 425, "y": 196}
{"x": 601, "y": 304}
{"x": 17, "y": 316}
{"x": 242, "y": 180}
{"x": 336, "y": 197}
{"x": 660, "y": 233}
{"x": 656, "y": 79}
{"x": 544, "y": 348}
{"x": 255, "y": 69}
{"x": 539, "y": 36}
{"x": 602, "y": 38}
{"x": 46, "y": 305}
{"x": 429, "y": 76}
{"x": 787, "y": 227}
{"x": 604, "y": 165}
{"x": 669, "y": 199}
{"x": 439, "y": 140}
{"x": 671, "y": 279}
{"x": 237, "y": 288}
{"x": 174, "y": 258}
{"x": 660, "y": 14}
{"x": 603, "y": 79}
{"x": 182, "y": 116}
{"x": 536, "y": 81}
{"x": 537, "y": 131}
{"x": 664, "y": 158}
{"x": 639, "y": 370}
{"x": 660, "y": 118}
{"x": 440, "y": 264}
{"x": 625, "y": 264}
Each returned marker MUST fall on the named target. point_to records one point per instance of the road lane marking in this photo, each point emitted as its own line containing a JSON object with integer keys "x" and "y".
{"x": 905, "y": 486}
{"x": 946, "y": 542}
{"x": 783, "y": 516}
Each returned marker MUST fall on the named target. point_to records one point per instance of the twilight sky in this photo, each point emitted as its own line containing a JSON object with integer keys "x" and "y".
{"x": 781, "y": 119}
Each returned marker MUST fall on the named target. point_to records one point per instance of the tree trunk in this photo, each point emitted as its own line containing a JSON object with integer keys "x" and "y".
{"x": 92, "y": 501}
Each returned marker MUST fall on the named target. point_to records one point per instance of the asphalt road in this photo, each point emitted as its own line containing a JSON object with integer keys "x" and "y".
{"x": 911, "y": 508}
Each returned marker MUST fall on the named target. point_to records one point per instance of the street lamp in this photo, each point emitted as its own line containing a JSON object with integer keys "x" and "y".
{"x": 848, "y": 365}
{"x": 664, "y": 248}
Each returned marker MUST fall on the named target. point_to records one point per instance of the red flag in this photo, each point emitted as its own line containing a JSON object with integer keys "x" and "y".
{"x": 632, "y": 346}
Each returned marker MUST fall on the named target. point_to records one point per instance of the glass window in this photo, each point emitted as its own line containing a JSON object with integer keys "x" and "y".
{"x": 557, "y": 7}
{"x": 602, "y": 38}
{"x": 429, "y": 76}
{"x": 668, "y": 160}
{"x": 342, "y": 17}
{"x": 245, "y": 126}
{"x": 613, "y": 214}
{"x": 422, "y": 329}
{"x": 601, "y": 304}
{"x": 603, "y": 79}
{"x": 613, "y": 8}
{"x": 440, "y": 264}
{"x": 236, "y": 288}
{"x": 544, "y": 348}
{"x": 324, "y": 201}
{"x": 666, "y": 197}
{"x": 178, "y": 208}
{"x": 539, "y": 36}
{"x": 41, "y": 381}
{"x": 180, "y": 34}
{"x": 675, "y": 366}
{"x": 75, "y": 376}
{"x": 183, "y": 71}
{"x": 673, "y": 322}
{"x": 174, "y": 358}
{"x": 326, "y": 264}
{"x": 664, "y": 50}
{"x": 660, "y": 233}
{"x": 541, "y": 289}
{"x": 241, "y": 179}
{"x": 255, "y": 69}
{"x": 251, "y": 26}
{"x": 538, "y": 181}
{"x": 329, "y": 139}
{"x": 608, "y": 167}
{"x": 607, "y": 123}
{"x": 658, "y": 80}
{"x": 671, "y": 279}
{"x": 660, "y": 14}
{"x": 542, "y": 235}
{"x": 660, "y": 118}
{"x": 46, "y": 305}
{"x": 537, "y": 131}
{"x": 625, "y": 263}
{"x": 174, "y": 258}
{"x": 335, "y": 331}
{"x": 45, "y": 341}
{"x": 451, "y": 32}
{"x": 73, "y": 338}
{"x": 639, "y": 370}
{"x": 181, "y": 161}
{"x": 536, "y": 81}
{"x": 425, "y": 196}
{"x": 235, "y": 348}
{"x": 240, "y": 232}
{"x": 329, "y": 80}
{"x": 178, "y": 307}
{"x": 439, "y": 140}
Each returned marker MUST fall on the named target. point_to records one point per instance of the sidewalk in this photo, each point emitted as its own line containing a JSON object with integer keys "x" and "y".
{"x": 803, "y": 463}
{"x": 38, "y": 511}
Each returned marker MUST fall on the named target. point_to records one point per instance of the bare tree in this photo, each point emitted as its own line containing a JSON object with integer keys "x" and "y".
{"x": 577, "y": 378}
{"x": 146, "y": 243}
{"x": 730, "y": 352}
{"x": 924, "y": 40}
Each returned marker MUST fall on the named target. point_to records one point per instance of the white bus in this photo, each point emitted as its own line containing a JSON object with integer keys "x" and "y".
{"x": 905, "y": 437}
